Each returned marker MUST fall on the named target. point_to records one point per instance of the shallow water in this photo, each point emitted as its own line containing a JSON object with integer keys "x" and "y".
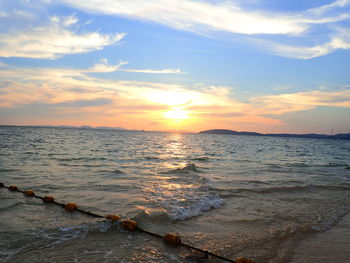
{"x": 233, "y": 195}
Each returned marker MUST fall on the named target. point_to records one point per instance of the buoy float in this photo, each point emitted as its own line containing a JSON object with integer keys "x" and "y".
{"x": 48, "y": 199}
{"x": 29, "y": 193}
{"x": 70, "y": 206}
{"x": 2, "y": 185}
{"x": 113, "y": 217}
{"x": 244, "y": 260}
{"x": 172, "y": 239}
{"x": 129, "y": 225}
{"x": 13, "y": 188}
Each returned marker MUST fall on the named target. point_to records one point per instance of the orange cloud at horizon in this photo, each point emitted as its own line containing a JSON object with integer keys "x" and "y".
{"x": 73, "y": 97}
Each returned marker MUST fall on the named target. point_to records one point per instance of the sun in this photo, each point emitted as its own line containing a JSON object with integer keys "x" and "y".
{"x": 176, "y": 114}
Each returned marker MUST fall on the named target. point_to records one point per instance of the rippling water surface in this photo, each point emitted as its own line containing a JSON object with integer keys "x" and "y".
{"x": 233, "y": 195}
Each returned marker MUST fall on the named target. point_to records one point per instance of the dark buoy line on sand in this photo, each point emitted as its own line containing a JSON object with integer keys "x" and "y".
{"x": 128, "y": 224}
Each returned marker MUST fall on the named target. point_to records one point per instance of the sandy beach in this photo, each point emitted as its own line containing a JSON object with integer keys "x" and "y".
{"x": 329, "y": 246}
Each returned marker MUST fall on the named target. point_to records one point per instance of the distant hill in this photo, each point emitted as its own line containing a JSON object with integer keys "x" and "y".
{"x": 223, "y": 131}
{"x": 344, "y": 136}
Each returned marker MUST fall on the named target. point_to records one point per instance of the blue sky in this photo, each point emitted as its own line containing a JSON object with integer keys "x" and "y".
{"x": 266, "y": 66}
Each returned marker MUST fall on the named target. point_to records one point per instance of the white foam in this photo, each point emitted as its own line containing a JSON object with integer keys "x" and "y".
{"x": 183, "y": 200}
{"x": 193, "y": 209}
{"x": 73, "y": 232}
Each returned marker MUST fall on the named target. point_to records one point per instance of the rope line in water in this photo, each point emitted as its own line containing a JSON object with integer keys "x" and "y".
{"x": 128, "y": 224}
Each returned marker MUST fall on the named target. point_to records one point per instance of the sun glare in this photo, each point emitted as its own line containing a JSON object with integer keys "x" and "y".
{"x": 176, "y": 114}
{"x": 171, "y": 98}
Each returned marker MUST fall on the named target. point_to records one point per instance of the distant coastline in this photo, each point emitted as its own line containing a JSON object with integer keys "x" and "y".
{"x": 67, "y": 127}
{"x": 343, "y": 136}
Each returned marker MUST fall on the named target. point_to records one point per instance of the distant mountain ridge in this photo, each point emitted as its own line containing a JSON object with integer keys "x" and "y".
{"x": 344, "y": 136}
{"x": 67, "y": 127}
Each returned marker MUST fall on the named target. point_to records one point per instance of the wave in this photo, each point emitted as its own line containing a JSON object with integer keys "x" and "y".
{"x": 185, "y": 197}
{"x": 200, "y": 159}
{"x": 336, "y": 165}
{"x": 295, "y": 188}
{"x": 150, "y": 158}
{"x": 6, "y": 170}
{"x": 8, "y": 204}
{"x": 73, "y": 159}
{"x": 159, "y": 218}
{"x": 188, "y": 168}
{"x": 117, "y": 171}
{"x": 203, "y": 204}
{"x": 66, "y": 233}
{"x": 114, "y": 171}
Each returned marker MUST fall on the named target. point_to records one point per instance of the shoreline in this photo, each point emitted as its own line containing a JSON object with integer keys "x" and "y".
{"x": 329, "y": 246}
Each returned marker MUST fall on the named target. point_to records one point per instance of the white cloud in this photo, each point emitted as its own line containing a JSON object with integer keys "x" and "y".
{"x": 325, "y": 8}
{"x": 17, "y": 13}
{"x": 53, "y": 40}
{"x": 292, "y": 102}
{"x": 153, "y": 71}
{"x": 24, "y": 14}
{"x": 212, "y": 17}
{"x": 103, "y": 66}
{"x": 198, "y": 16}
{"x": 70, "y": 20}
{"x": 3, "y": 14}
{"x": 340, "y": 40}
{"x": 222, "y": 16}
{"x": 65, "y": 21}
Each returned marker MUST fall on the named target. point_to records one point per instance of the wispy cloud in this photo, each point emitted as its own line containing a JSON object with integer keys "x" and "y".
{"x": 104, "y": 66}
{"x": 211, "y": 18}
{"x": 17, "y": 13}
{"x": 198, "y": 16}
{"x": 3, "y": 14}
{"x": 340, "y": 39}
{"x": 154, "y": 71}
{"x": 329, "y": 7}
{"x": 299, "y": 101}
{"x": 54, "y": 40}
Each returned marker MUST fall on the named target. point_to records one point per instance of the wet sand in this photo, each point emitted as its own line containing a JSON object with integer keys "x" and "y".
{"x": 330, "y": 246}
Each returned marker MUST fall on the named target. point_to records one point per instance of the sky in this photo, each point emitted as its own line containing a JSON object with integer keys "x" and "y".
{"x": 177, "y": 65}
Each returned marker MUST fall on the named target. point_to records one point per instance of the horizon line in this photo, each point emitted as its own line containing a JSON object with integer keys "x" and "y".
{"x": 165, "y": 131}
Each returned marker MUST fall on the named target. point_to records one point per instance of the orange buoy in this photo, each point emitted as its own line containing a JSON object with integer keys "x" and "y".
{"x": 1, "y": 185}
{"x": 244, "y": 260}
{"x": 29, "y": 193}
{"x": 172, "y": 239}
{"x": 129, "y": 225}
{"x": 48, "y": 199}
{"x": 13, "y": 188}
{"x": 70, "y": 206}
{"x": 241, "y": 260}
{"x": 113, "y": 217}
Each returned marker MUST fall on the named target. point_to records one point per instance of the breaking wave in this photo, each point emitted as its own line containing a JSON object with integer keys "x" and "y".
{"x": 188, "y": 168}
{"x": 185, "y": 211}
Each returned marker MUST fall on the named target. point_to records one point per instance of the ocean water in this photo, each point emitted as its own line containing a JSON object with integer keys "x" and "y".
{"x": 232, "y": 195}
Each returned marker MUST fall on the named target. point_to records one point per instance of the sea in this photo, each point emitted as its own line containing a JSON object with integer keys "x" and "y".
{"x": 235, "y": 196}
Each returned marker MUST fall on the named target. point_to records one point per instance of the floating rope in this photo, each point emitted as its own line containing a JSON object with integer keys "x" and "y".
{"x": 128, "y": 224}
